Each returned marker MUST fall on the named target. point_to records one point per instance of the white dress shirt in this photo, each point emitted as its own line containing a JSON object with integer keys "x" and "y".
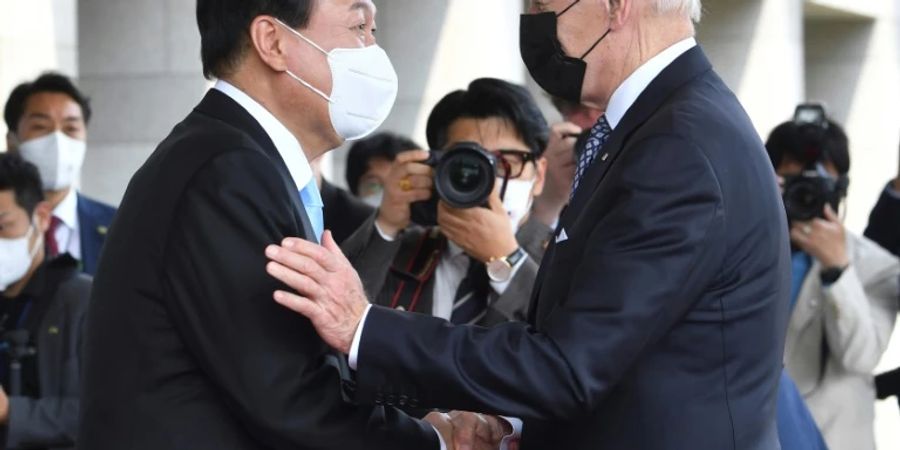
{"x": 287, "y": 145}
{"x": 68, "y": 233}
{"x": 621, "y": 101}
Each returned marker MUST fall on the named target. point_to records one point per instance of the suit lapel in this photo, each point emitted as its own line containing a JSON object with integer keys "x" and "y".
{"x": 685, "y": 68}
{"x": 220, "y": 106}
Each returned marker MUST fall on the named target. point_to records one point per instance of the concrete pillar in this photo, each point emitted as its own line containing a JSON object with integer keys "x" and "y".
{"x": 140, "y": 62}
{"x": 35, "y": 36}
{"x": 757, "y": 48}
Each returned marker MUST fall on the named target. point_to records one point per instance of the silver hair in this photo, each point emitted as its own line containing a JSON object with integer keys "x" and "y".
{"x": 689, "y": 8}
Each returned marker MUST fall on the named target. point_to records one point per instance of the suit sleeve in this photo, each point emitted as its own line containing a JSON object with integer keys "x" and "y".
{"x": 651, "y": 254}
{"x": 885, "y": 221}
{"x": 267, "y": 362}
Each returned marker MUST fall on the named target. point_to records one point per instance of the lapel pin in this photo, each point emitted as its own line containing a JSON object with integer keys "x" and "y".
{"x": 53, "y": 330}
{"x": 101, "y": 230}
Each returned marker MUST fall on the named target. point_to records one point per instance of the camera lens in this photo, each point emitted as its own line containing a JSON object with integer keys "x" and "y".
{"x": 465, "y": 176}
{"x": 804, "y": 199}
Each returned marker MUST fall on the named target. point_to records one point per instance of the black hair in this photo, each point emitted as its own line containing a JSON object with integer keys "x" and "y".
{"x": 488, "y": 98}
{"x": 799, "y": 143}
{"x": 225, "y": 24}
{"x": 381, "y": 145}
{"x": 23, "y": 179}
{"x": 48, "y": 82}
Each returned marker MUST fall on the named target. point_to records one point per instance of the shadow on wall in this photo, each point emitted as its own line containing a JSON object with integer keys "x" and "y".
{"x": 835, "y": 55}
{"x": 725, "y": 34}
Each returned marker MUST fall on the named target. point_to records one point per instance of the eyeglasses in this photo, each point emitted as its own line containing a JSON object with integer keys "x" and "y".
{"x": 511, "y": 163}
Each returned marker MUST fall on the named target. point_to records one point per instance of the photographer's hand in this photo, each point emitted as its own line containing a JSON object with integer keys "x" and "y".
{"x": 409, "y": 181}
{"x": 484, "y": 233}
{"x": 823, "y": 239}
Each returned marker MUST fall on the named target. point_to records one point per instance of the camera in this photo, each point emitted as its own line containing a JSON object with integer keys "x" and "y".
{"x": 805, "y": 195}
{"x": 464, "y": 177}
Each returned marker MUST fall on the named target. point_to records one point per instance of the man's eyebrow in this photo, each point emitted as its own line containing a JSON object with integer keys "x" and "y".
{"x": 38, "y": 115}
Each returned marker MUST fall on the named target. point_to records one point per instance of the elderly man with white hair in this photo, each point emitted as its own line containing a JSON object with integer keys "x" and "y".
{"x": 658, "y": 317}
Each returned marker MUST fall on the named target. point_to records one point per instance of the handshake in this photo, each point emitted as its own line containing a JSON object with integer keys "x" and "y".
{"x": 472, "y": 431}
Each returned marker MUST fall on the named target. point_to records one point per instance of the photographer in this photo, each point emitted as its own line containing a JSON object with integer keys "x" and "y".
{"x": 446, "y": 271}
{"x": 42, "y": 310}
{"x": 845, "y": 287}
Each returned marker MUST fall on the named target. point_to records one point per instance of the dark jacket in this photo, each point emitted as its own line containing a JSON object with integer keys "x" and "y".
{"x": 884, "y": 222}
{"x": 343, "y": 213}
{"x": 57, "y": 320}
{"x": 94, "y": 219}
{"x": 185, "y": 348}
{"x": 377, "y": 261}
{"x": 658, "y": 318}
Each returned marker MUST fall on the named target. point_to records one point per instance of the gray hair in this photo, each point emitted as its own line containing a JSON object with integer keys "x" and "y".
{"x": 688, "y": 8}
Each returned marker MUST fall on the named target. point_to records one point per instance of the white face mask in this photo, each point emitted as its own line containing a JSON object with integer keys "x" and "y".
{"x": 517, "y": 200}
{"x": 373, "y": 200}
{"x": 364, "y": 88}
{"x": 16, "y": 258}
{"x": 58, "y": 158}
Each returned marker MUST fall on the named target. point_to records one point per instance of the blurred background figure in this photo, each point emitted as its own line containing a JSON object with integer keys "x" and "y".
{"x": 42, "y": 309}
{"x": 445, "y": 270}
{"x": 845, "y": 287}
{"x": 369, "y": 162}
{"x": 47, "y": 121}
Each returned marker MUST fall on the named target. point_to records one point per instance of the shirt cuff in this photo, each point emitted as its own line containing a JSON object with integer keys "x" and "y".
{"x": 440, "y": 438}
{"x": 516, "y": 434}
{"x": 353, "y": 357}
{"x": 500, "y": 287}
{"x": 383, "y": 234}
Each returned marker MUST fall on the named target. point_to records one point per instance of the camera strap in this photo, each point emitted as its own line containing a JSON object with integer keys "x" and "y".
{"x": 419, "y": 270}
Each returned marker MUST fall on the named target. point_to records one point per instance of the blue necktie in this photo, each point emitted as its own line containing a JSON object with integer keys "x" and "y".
{"x": 599, "y": 135}
{"x": 312, "y": 202}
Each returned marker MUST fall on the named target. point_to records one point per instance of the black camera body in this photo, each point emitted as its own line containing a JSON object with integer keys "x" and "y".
{"x": 464, "y": 177}
{"x": 805, "y": 195}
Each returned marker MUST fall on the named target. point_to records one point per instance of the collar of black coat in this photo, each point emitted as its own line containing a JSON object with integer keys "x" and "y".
{"x": 685, "y": 68}
{"x": 223, "y": 108}
{"x": 48, "y": 275}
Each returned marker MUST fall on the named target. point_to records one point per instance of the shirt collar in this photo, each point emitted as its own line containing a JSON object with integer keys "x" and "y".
{"x": 285, "y": 142}
{"x": 67, "y": 210}
{"x": 628, "y": 92}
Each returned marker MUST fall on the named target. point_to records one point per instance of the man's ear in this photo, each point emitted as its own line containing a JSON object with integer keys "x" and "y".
{"x": 43, "y": 214}
{"x": 267, "y": 40}
{"x": 620, "y": 12}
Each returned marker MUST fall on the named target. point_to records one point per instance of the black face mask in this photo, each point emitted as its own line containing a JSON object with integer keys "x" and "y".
{"x": 554, "y": 71}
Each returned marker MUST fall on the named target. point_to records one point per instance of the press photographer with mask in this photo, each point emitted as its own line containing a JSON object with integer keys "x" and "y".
{"x": 42, "y": 310}
{"x": 845, "y": 287}
{"x": 476, "y": 264}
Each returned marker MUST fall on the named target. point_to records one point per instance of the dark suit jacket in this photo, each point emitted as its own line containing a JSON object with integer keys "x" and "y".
{"x": 658, "y": 324}
{"x": 185, "y": 348}
{"x": 343, "y": 213}
{"x": 94, "y": 219}
{"x": 373, "y": 258}
{"x": 884, "y": 223}
{"x": 57, "y": 321}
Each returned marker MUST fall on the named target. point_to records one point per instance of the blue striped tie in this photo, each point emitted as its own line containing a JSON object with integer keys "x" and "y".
{"x": 599, "y": 135}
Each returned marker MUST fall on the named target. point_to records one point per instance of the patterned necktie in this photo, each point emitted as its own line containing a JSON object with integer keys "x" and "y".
{"x": 471, "y": 298}
{"x": 599, "y": 135}
{"x": 312, "y": 202}
{"x": 50, "y": 238}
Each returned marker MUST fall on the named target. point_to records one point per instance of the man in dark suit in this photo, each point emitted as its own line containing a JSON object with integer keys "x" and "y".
{"x": 184, "y": 349}
{"x": 659, "y": 316}
{"x": 42, "y": 309}
{"x": 47, "y": 121}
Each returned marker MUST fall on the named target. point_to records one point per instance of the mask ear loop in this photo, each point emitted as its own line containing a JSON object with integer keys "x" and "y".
{"x": 609, "y": 30}
{"x": 295, "y": 77}
{"x": 568, "y": 8}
